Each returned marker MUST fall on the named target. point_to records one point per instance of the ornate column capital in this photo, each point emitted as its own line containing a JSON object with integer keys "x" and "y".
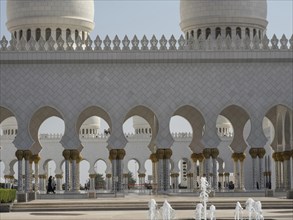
{"x": 36, "y": 158}
{"x": 93, "y": 175}
{"x": 109, "y": 175}
{"x": 66, "y": 154}
{"x": 235, "y": 157}
{"x": 242, "y": 156}
{"x": 189, "y": 175}
{"x": 197, "y": 157}
{"x": 279, "y": 156}
{"x": 19, "y": 154}
{"x": 121, "y": 154}
{"x": 125, "y": 175}
{"x": 27, "y": 154}
{"x": 226, "y": 174}
{"x": 261, "y": 152}
{"x": 79, "y": 158}
{"x": 113, "y": 154}
{"x": 59, "y": 176}
{"x": 74, "y": 154}
{"x": 286, "y": 155}
{"x": 160, "y": 154}
{"x": 214, "y": 153}
{"x": 167, "y": 153}
{"x": 207, "y": 153}
{"x": 153, "y": 158}
{"x": 141, "y": 175}
{"x": 274, "y": 156}
{"x": 253, "y": 152}
{"x": 174, "y": 175}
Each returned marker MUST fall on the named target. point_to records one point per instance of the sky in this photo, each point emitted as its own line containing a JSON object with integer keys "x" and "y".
{"x": 153, "y": 17}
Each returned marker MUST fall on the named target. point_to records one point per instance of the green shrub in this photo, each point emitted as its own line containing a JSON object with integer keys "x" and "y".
{"x": 7, "y": 195}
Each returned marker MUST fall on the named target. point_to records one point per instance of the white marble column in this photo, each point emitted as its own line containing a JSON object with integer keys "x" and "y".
{"x": 261, "y": 154}
{"x": 74, "y": 155}
{"x": 154, "y": 160}
{"x": 215, "y": 154}
{"x": 66, "y": 155}
{"x": 109, "y": 181}
{"x": 120, "y": 156}
{"x": 167, "y": 156}
{"x": 92, "y": 182}
{"x": 27, "y": 156}
{"x": 125, "y": 182}
{"x": 19, "y": 155}
{"x": 36, "y": 161}
{"x": 141, "y": 177}
{"x": 160, "y": 171}
{"x": 42, "y": 186}
{"x": 253, "y": 152}
{"x": 58, "y": 182}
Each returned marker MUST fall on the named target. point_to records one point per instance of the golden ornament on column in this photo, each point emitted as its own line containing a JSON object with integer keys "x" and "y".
{"x": 36, "y": 158}
{"x": 59, "y": 176}
{"x": 121, "y": 154}
{"x": 167, "y": 153}
{"x": 280, "y": 156}
{"x": 207, "y": 153}
{"x": 113, "y": 154}
{"x": 19, "y": 154}
{"x": 214, "y": 153}
{"x": 235, "y": 157}
{"x": 241, "y": 156}
{"x": 80, "y": 158}
{"x": 286, "y": 155}
{"x": 153, "y": 158}
{"x": 74, "y": 154}
{"x": 92, "y": 176}
{"x": 253, "y": 152}
{"x": 274, "y": 156}
{"x": 160, "y": 154}
{"x": 261, "y": 152}
{"x": 108, "y": 175}
{"x": 27, "y": 154}
{"x": 66, "y": 154}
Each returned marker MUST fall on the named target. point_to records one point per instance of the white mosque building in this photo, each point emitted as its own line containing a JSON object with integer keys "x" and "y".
{"x": 224, "y": 76}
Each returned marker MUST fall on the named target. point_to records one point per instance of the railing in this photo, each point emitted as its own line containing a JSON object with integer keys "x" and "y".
{"x": 154, "y": 44}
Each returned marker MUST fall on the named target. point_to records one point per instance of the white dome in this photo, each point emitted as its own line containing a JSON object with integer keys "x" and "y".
{"x": 92, "y": 122}
{"x": 72, "y": 14}
{"x": 139, "y": 122}
{"x": 223, "y": 13}
{"x": 223, "y": 122}
{"x": 9, "y": 123}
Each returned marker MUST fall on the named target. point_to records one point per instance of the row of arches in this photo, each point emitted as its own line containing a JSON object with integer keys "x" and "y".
{"x": 236, "y": 115}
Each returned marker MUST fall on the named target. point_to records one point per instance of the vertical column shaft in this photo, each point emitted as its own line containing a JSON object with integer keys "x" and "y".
{"x": 19, "y": 155}
{"x": 66, "y": 155}
{"x": 27, "y": 156}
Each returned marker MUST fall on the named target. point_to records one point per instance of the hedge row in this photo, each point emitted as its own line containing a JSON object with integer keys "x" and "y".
{"x": 7, "y": 195}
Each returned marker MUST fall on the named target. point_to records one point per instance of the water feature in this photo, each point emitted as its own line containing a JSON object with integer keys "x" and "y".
{"x": 201, "y": 209}
{"x": 167, "y": 212}
{"x": 153, "y": 210}
{"x": 238, "y": 213}
{"x": 254, "y": 209}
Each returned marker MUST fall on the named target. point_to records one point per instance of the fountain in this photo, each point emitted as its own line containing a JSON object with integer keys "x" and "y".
{"x": 238, "y": 214}
{"x": 201, "y": 209}
{"x": 153, "y": 210}
{"x": 167, "y": 212}
{"x": 254, "y": 209}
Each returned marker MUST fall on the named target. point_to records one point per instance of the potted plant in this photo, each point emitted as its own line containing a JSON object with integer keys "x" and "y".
{"x": 7, "y": 197}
